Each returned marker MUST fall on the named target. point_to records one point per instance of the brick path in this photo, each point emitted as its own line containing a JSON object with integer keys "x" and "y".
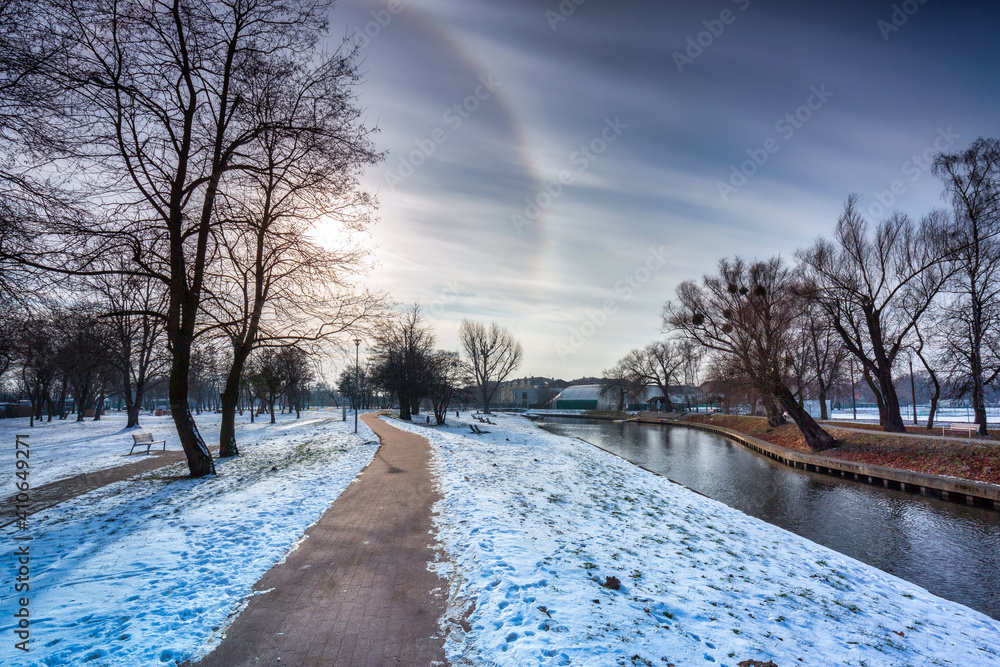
{"x": 53, "y": 493}
{"x": 357, "y": 591}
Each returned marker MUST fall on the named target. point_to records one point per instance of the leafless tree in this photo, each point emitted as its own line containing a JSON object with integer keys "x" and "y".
{"x": 874, "y": 285}
{"x": 266, "y": 378}
{"x": 402, "y": 349}
{"x": 920, "y": 348}
{"x": 84, "y": 356}
{"x": 825, "y": 354}
{"x": 33, "y": 345}
{"x": 492, "y": 354}
{"x": 972, "y": 182}
{"x": 447, "y": 378}
{"x": 618, "y": 383}
{"x": 163, "y": 100}
{"x": 298, "y": 375}
{"x": 659, "y": 365}
{"x": 131, "y": 307}
{"x": 273, "y": 284}
{"x": 750, "y": 313}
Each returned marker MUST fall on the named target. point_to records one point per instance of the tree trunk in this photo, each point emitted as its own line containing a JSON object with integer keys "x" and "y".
{"x": 824, "y": 414}
{"x": 404, "y": 406}
{"x": 893, "y": 417}
{"x": 877, "y": 393}
{"x": 98, "y": 405}
{"x": 199, "y": 459}
{"x": 133, "y": 414}
{"x": 81, "y": 404}
{"x": 775, "y": 415}
{"x": 978, "y": 398}
{"x": 230, "y": 399}
{"x": 934, "y": 403}
{"x": 817, "y": 439}
{"x": 486, "y": 401}
{"x": 271, "y": 405}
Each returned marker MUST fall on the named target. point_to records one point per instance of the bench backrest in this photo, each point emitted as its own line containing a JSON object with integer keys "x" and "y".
{"x": 142, "y": 437}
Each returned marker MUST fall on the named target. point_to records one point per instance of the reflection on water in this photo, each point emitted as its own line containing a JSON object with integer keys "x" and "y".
{"x": 951, "y": 550}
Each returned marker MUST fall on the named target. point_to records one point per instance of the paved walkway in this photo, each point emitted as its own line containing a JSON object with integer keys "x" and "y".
{"x": 357, "y": 591}
{"x": 48, "y": 495}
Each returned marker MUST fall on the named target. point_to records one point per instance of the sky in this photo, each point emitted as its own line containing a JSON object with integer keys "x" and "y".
{"x": 560, "y": 167}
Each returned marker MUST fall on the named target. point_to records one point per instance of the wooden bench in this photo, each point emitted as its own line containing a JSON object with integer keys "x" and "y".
{"x": 968, "y": 428}
{"x": 140, "y": 439}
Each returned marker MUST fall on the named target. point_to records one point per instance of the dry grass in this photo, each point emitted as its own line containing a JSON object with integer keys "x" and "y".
{"x": 974, "y": 459}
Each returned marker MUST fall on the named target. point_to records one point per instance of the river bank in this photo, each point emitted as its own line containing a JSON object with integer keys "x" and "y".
{"x": 970, "y": 459}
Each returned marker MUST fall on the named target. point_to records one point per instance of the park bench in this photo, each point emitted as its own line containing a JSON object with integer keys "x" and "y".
{"x": 140, "y": 439}
{"x": 969, "y": 428}
{"x": 478, "y": 431}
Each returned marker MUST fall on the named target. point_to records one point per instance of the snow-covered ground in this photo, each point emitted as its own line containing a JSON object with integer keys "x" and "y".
{"x": 150, "y": 570}
{"x": 65, "y": 448}
{"x": 946, "y": 415}
{"x": 533, "y": 524}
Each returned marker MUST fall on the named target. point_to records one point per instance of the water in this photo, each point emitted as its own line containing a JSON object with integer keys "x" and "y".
{"x": 951, "y": 550}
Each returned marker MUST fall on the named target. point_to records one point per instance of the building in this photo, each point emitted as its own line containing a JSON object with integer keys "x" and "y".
{"x": 582, "y": 397}
{"x": 531, "y": 392}
{"x": 588, "y": 397}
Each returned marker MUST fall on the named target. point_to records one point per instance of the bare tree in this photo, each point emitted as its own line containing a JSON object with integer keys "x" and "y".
{"x": 825, "y": 354}
{"x": 919, "y": 348}
{"x": 274, "y": 284}
{"x": 749, "y": 313}
{"x": 492, "y": 354}
{"x": 298, "y": 374}
{"x": 34, "y": 345}
{"x": 132, "y": 308}
{"x": 659, "y": 364}
{"x": 84, "y": 357}
{"x": 874, "y": 285}
{"x": 163, "y": 101}
{"x": 447, "y": 377}
{"x": 265, "y": 378}
{"x": 972, "y": 182}
{"x": 403, "y": 346}
{"x": 620, "y": 384}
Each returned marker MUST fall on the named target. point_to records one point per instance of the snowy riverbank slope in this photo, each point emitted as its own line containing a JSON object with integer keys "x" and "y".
{"x": 534, "y": 524}
{"x": 149, "y": 570}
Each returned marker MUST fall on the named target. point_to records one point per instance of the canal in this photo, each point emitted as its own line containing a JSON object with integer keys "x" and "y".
{"x": 952, "y": 550}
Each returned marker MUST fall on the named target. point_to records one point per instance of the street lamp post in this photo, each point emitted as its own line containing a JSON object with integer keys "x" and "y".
{"x": 357, "y": 394}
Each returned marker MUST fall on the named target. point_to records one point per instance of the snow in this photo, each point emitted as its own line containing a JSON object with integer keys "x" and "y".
{"x": 63, "y": 448}
{"x": 151, "y": 570}
{"x": 532, "y": 523}
{"x": 941, "y": 415}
